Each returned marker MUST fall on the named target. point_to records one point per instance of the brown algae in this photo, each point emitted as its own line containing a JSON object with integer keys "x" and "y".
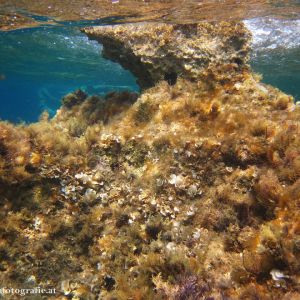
{"x": 186, "y": 191}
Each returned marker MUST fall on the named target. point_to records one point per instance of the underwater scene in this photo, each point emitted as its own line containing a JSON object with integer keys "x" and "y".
{"x": 150, "y": 150}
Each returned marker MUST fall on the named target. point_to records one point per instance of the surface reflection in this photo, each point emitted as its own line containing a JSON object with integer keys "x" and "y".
{"x": 20, "y": 13}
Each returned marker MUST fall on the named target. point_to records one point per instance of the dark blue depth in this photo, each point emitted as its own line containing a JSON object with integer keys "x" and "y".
{"x": 41, "y": 65}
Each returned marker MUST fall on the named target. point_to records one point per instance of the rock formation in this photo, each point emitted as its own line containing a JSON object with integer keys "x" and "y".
{"x": 153, "y": 52}
{"x": 188, "y": 191}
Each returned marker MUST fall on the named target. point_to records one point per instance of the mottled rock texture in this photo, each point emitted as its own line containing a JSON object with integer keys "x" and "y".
{"x": 152, "y": 52}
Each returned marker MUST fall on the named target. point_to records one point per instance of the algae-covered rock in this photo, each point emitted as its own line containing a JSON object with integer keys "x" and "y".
{"x": 74, "y": 98}
{"x": 188, "y": 191}
{"x": 206, "y": 51}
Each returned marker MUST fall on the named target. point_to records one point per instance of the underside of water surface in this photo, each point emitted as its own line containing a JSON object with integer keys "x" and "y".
{"x": 25, "y": 13}
{"x": 149, "y": 160}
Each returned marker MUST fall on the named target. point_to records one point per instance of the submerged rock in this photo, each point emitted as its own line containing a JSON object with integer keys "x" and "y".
{"x": 74, "y": 98}
{"x": 216, "y": 52}
{"x": 184, "y": 192}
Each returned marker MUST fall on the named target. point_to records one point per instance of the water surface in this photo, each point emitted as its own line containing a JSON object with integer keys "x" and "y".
{"x": 19, "y": 13}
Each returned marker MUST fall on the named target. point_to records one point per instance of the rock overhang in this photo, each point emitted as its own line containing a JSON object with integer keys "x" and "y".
{"x": 207, "y": 51}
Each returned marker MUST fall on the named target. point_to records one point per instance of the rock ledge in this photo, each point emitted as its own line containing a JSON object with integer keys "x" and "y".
{"x": 153, "y": 52}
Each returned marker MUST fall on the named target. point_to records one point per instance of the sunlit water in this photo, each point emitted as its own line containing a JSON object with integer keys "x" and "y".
{"x": 42, "y": 64}
{"x": 276, "y": 52}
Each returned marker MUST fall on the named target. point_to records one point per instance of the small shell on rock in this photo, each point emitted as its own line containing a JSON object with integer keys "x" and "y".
{"x": 278, "y": 275}
{"x": 176, "y": 209}
{"x": 176, "y": 224}
{"x": 65, "y": 287}
{"x": 153, "y": 202}
{"x": 31, "y": 279}
{"x": 90, "y": 195}
{"x": 197, "y": 234}
{"x": 159, "y": 182}
{"x": 229, "y": 169}
{"x": 171, "y": 247}
{"x": 37, "y": 223}
{"x": 176, "y": 180}
{"x": 190, "y": 213}
{"x": 192, "y": 190}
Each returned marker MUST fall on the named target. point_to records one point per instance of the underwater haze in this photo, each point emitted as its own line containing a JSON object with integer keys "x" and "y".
{"x": 41, "y": 65}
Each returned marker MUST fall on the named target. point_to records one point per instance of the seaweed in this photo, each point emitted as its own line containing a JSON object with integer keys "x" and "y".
{"x": 189, "y": 191}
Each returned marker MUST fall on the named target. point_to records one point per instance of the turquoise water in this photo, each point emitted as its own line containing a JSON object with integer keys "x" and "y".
{"x": 280, "y": 69}
{"x": 276, "y": 52}
{"x": 40, "y": 65}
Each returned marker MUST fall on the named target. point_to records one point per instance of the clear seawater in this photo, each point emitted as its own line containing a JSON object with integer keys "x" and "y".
{"x": 42, "y": 64}
{"x": 276, "y": 52}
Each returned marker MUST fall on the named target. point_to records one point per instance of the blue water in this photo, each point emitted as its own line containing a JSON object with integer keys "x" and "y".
{"x": 40, "y": 65}
{"x": 280, "y": 69}
{"x": 276, "y": 52}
